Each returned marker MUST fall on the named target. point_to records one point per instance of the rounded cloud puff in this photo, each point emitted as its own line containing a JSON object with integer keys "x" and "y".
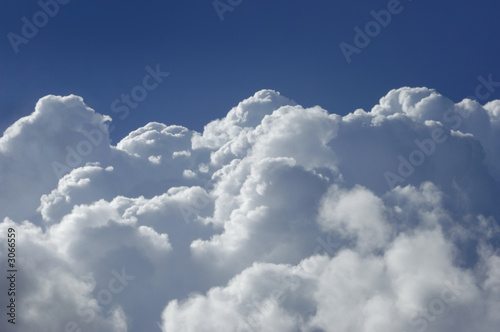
{"x": 274, "y": 218}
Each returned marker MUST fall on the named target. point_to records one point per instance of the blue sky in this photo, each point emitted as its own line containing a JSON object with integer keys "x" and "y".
{"x": 262, "y": 212}
{"x": 99, "y": 49}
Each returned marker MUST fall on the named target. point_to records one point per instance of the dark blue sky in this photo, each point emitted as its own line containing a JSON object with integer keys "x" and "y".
{"x": 99, "y": 50}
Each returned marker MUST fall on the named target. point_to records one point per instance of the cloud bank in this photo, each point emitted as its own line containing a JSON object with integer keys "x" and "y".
{"x": 274, "y": 218}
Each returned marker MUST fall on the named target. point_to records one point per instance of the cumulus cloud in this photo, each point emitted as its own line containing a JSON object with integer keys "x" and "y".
{"x": 274, "y": 218}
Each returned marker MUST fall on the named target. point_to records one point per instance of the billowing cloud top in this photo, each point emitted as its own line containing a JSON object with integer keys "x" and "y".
{"x": 274, "y": 218}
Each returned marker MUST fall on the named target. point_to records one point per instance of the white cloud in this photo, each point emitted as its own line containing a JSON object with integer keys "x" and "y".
{"x": 275, "y": 218}
{"x": 356, "y": 213}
